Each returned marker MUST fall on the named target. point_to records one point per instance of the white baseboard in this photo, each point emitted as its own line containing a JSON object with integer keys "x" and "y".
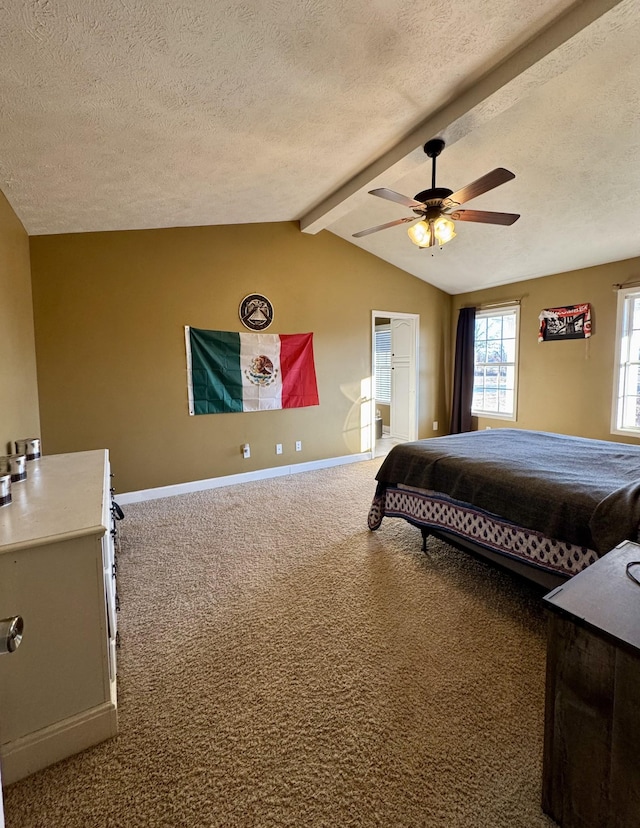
{"x": 51, "y": 744}
{"x": 235, "y": 479}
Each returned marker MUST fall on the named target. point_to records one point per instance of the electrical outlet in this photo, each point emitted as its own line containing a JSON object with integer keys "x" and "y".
{"x": 298, "y": 445}
{"x": 435, "y": 425}
{"x": 246, "y": 451}
{"x": 278, "y": 448}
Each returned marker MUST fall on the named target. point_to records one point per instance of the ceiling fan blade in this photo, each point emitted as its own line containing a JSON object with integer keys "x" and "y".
{"x": 384, "y": 226}
{"x": 484, "y": 216}
{"x": 391, "y": 195}
{"x": 481, "y": 185}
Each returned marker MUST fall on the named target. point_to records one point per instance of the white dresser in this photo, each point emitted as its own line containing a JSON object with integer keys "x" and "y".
{"x": 57, "y": 570}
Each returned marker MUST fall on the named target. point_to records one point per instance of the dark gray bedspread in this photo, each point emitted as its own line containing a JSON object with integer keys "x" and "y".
{"x": 573, "y": 489}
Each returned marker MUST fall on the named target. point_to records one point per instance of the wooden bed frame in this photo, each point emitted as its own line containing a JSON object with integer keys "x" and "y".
{"x": 542, "y": 577}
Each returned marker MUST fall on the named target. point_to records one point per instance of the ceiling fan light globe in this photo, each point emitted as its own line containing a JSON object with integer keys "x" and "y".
{"x": 443, "y": 229}
{"x": 420, "y": 234}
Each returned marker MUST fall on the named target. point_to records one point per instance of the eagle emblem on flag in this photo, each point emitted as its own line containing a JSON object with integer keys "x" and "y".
{"x": 262, "y": 371}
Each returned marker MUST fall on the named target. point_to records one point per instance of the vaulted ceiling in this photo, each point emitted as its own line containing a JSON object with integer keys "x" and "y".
{"x": 132, "y": 114}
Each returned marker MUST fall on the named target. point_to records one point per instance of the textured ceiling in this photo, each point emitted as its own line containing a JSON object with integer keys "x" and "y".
{"x": 130, "y": 114}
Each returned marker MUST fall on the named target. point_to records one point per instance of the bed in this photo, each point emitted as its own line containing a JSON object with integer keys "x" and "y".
{"x": 544, "y": 505}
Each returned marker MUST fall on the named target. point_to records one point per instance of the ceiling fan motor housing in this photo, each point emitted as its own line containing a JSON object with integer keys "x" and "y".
{"x": 433, "y": 197}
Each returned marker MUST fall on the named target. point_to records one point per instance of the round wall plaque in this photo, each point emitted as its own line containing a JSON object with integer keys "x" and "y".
{"x": 256, "y": 312}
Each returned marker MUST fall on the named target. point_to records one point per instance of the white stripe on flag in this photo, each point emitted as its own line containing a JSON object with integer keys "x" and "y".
{"x": 261, "y": 373}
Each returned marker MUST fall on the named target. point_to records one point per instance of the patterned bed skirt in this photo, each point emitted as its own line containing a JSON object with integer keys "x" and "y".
{"x": 433, "y": 510}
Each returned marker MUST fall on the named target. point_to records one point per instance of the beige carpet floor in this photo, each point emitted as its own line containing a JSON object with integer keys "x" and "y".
{"x": 283, "y": 666}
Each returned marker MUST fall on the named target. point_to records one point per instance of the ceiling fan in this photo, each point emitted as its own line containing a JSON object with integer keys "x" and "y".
{"x": 437, "y": 208}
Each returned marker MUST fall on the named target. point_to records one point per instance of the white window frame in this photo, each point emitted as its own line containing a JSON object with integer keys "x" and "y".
{"x": 626, "y": 297}
{"x": 505, "y": 310}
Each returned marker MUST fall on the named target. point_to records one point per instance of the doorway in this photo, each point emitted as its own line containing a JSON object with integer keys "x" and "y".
{"x": 394, "y": 371}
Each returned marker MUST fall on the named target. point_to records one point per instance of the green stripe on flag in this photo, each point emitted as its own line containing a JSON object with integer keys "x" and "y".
{"x": 215, "y": 371}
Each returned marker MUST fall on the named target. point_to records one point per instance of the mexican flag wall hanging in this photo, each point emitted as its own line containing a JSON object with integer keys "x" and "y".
{"x": 232, "y": 372}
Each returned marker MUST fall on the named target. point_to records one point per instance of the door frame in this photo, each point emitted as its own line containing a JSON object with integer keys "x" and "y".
{"x": 372, "y": 413}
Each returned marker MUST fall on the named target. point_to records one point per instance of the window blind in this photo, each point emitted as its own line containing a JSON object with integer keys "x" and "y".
{"x": 383, "y": 364}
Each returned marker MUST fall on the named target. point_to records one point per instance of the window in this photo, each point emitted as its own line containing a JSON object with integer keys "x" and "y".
{"x": 626, "y": 394}
{"x": 383, "y": 364}
{"x": 495, "y": 363}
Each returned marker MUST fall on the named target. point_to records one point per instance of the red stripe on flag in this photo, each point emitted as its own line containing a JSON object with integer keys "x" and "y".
{"x": 299, "y": 387}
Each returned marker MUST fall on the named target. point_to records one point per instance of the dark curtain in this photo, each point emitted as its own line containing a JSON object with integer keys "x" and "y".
{"x": 463, "y": 372}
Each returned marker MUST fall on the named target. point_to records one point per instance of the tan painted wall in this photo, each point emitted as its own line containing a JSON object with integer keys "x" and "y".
{"x": 110, "y": 309}
{"x": 564, "y": 387}
{"x": 19, "y": 416}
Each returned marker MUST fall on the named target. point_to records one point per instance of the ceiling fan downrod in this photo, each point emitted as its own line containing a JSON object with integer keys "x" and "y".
{"x": 433, "y": 148}
{"x": 434, "y": 196}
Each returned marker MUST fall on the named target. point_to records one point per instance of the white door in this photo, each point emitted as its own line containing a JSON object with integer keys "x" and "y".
{"x": 403, "y": 378}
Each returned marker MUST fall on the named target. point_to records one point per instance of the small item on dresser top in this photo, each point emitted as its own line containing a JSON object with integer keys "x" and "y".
{"x": 5, "y": 489}
{"x": 15, "y": 465}
{"x": 30, "y": 447}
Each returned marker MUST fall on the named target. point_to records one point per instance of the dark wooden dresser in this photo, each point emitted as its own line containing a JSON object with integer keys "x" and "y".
{"x": 591, "y": 767}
